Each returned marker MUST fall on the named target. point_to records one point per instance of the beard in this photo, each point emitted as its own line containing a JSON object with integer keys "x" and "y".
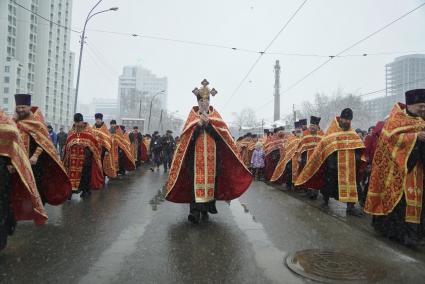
{"x": 203, "y": 107}
{"x": 345, "y": 126}
{"x": 22, "y": 115}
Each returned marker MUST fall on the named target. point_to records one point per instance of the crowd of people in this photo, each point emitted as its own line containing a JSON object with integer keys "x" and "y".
{"x": 381, "y": 171}
{"x": 40, "y": 166}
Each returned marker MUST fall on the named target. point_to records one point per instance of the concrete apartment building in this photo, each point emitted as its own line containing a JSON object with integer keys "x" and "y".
{"x": 403, "y": 74}
{"x": 35, "y": 57}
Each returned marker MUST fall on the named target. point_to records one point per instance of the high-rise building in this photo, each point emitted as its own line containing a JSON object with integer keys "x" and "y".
{"x": 138, "y": 87}
{"x": 403, "y": 74}
{"x": 35, "y": 57}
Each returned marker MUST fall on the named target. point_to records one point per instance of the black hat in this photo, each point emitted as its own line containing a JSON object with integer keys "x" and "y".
{"x": 78, "y": 117}
{"x": 297, "y": 124}
{"x": 303, "y": 122}
{"x": 266, "y": 131}
{"x": 315, "y": 120}
{"x": 113, "y": 121}
{"x": 122, "y": 127}
{"x": 135, "y": 127}
{"x": 169, "y": 131}
{"x": 347, "y": 113}
{"x": 98, "y": 115}
{"x": 415, "y": 96}
{"x": 49, "y": 126}
{"x": 23, "y": 99}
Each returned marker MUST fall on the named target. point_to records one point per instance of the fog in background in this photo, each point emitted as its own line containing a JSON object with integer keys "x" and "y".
{"x": 322, "y": 27}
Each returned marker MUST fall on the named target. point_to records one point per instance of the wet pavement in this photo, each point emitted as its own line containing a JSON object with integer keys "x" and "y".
{"x": 127, "y": 233}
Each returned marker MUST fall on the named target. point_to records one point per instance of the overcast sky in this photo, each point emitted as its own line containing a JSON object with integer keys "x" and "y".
{"x": 322, "y": 27}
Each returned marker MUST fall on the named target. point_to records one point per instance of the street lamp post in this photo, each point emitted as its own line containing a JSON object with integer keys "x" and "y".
{"x": 150, "y": 109}
{"x": 83, "y": 36}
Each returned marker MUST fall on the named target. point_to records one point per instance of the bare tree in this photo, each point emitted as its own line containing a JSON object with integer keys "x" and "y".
{"x": 246, "y": 118}
{"x": 327, "y": 107}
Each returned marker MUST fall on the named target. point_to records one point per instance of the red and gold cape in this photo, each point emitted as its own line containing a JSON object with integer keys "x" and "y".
{"x": 105, "y": 141}
{"x": 246, "y": 149}
{"x": 119, "y": 140}
{"x": 389, "y": 179}
{"x": 345, "y": 142}
{"x": 290, "y": 154}
{"x": 309, "y": 142}
{"x": 56, "y": 186}
{"x": 74, "y": 157}
{"x": 26, "y": 201}
{"x": 144, "y": 156}
{"x": 234, "y": 178}
{"x": 274, "y": 143}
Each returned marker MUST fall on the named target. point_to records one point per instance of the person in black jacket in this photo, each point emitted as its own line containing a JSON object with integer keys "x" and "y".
{"x": 168, "y": 146}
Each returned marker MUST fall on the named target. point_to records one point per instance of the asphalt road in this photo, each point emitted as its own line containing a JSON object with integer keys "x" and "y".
{"x": 127, "y": 233}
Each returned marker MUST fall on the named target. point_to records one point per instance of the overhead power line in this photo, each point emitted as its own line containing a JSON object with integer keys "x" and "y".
{"x": 392, "y": 87}
{"x": 265, "y": 50}
{"x": 44, "y": 18}
{"x": 299, "y": 81}
{"x": 351, "y": 47}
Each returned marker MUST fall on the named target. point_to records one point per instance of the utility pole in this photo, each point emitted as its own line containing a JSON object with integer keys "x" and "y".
{"x": 150, "y": 109}
{"x": 82, "y": 41}
{"x": 160, "y": 121}
{"x": 277, "y": 91}
{"x": 295, "y": 113}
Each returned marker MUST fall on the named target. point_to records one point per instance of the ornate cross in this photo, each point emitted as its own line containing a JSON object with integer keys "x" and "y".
{"x": 205, "y": 92}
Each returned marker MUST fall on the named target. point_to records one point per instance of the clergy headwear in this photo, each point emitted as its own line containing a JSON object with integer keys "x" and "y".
{"x": 303, "y": 122}
{"x": 415, "y": 96}
{"x": 347, "y": 113}
{"x": 297, "y": 124}
{"x": 98, "y": 115}
{"x": 78, "y": 117}
{"x": 23, "y": 99}
{"x": 113, "y": 121}
{"x": 315, "y": 120}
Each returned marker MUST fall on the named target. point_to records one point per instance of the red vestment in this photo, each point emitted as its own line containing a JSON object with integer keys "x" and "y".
{"x": 344, "y": 143}
{"x": 74, "y": 157}
{"x": 390, "y": 179}
{"x": 273, "y": 147}
{"x": 234, "y": 178}
{"x": 26, "y": 201}
{"x": 56, "y": 186}
{"x": 105, "y": 141}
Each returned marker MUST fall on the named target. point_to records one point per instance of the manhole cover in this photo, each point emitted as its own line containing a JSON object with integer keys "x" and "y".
{"x": 333, "y": 267}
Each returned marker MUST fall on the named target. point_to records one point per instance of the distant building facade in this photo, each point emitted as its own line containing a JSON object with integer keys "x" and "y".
{"x": 137, "y": 89}
{"x": 403, "y": 74}
{"x": 35, "y": 57}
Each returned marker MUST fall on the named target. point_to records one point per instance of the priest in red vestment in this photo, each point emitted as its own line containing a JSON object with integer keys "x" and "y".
{"x": 206, "y": 166}
{"x": 273, "y": 149}
{"x": 52, "y": 181}
{"x": 104, "y": 138}
{"x": 123, "y": 158}
{"x": 19, "y": 198}
{"x": 82, "y": 158}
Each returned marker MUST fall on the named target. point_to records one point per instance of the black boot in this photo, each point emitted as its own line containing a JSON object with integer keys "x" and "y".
{"x": 352, "y": 210}
{"x": 325, "y": 203}
{"x": 204, "y": 215}
{"x": 194, "y": 216}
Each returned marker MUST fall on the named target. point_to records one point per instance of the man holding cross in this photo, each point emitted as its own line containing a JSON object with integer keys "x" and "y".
{"x": 207, "y": 166}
